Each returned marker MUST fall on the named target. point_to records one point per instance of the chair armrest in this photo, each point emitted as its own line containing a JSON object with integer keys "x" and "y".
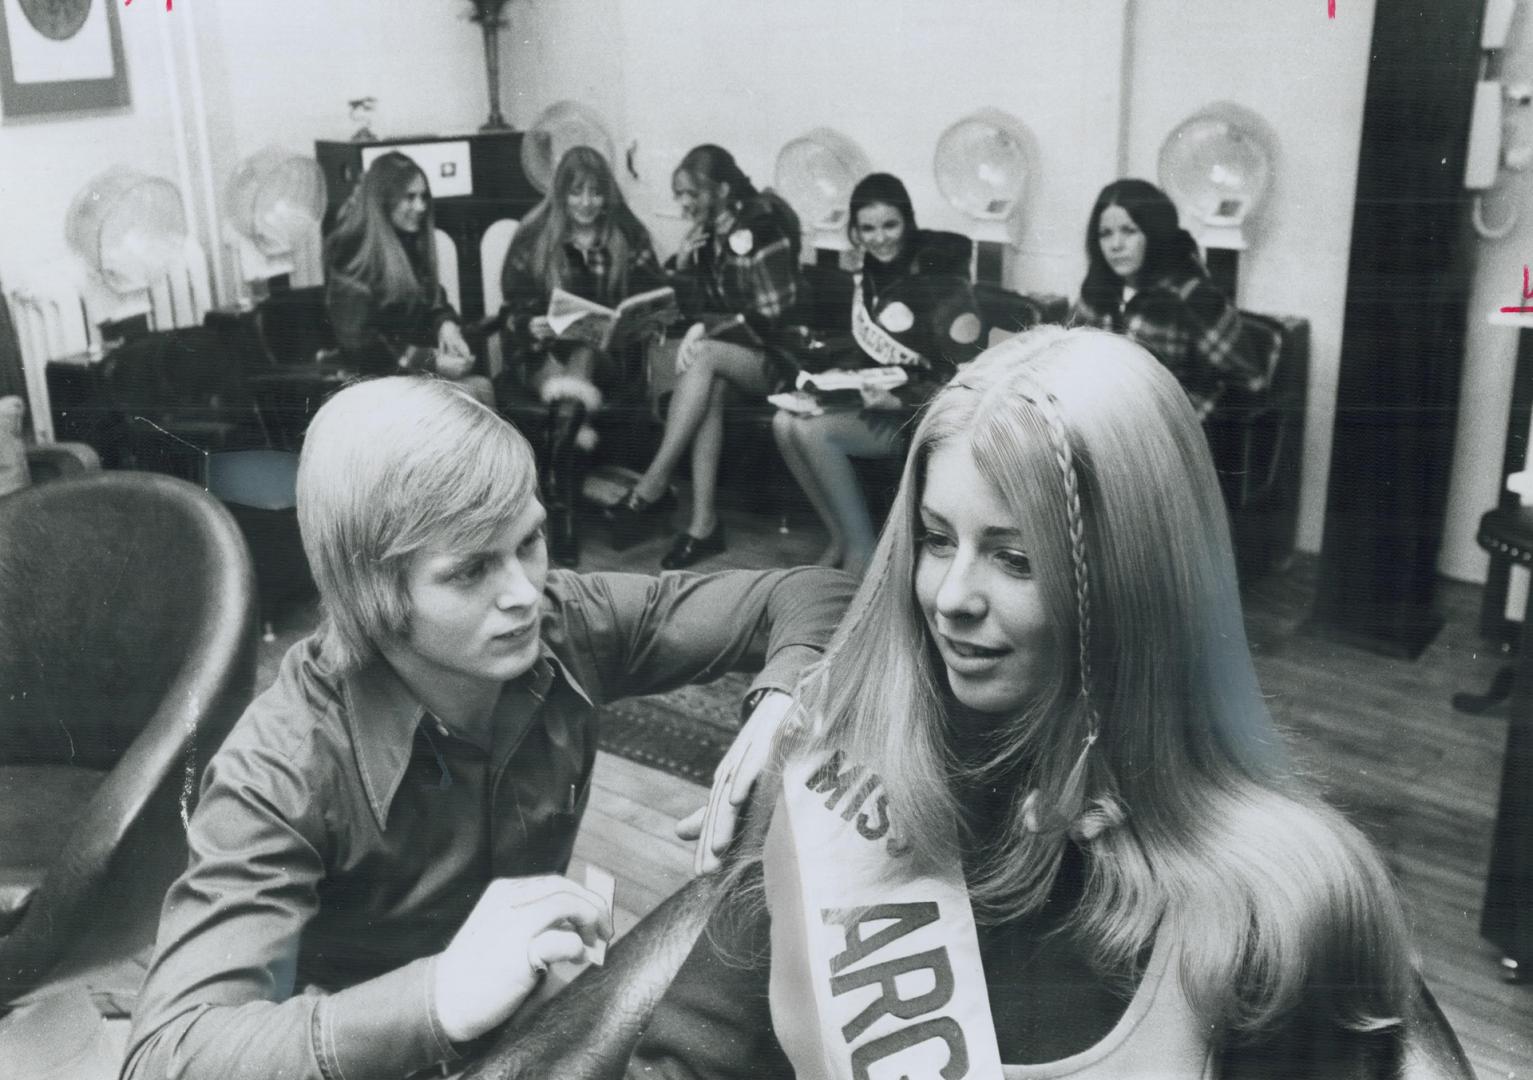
{"x": 53, "y": 461}
{"x": 195, "y": 714}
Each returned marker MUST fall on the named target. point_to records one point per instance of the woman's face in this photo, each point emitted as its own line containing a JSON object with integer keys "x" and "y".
{"x": 1122, "y": 243}
{"x": 409, "y": 209}
{"x": 880, "y": 230}
{"x": 585, "y": 202}
{"x": 699, "y": 199}
{"x": 975, "y": 587}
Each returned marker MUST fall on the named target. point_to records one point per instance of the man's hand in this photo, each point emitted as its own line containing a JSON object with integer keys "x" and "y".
{"x": 541, "y": 329}
{"x": 713, "y": 826}
{"x": 518, "y": 927}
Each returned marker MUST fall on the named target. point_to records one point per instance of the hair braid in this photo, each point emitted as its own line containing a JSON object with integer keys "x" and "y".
{"x": 1072, "y": 812}
{"x": 1076, "y": 525}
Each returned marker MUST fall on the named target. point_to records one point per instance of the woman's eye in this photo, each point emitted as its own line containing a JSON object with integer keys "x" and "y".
{"x": 935, "y": 542}
{"x": 1015, "y": 562}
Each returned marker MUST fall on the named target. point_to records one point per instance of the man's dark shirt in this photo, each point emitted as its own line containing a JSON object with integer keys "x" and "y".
{"x": 343, "y": 834}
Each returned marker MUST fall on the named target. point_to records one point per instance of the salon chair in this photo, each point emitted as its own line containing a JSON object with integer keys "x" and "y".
{"x": 1256, "y": 436}
{"x": 127, "y": 652}
{"x": 288, "y": 359}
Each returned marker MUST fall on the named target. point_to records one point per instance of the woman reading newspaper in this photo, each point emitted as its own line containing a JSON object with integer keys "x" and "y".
{"x": 581, "y": 243}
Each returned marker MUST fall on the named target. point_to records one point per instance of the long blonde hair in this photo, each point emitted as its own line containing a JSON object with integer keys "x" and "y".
{"x": 539, "y": 243}
{"x": 364, "y": 244}
{"x": 1209, "y": 836}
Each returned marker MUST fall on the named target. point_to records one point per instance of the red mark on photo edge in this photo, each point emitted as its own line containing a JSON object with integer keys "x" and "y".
{"x": 1527, "y": 294}
{"x": 1330, "y": 8}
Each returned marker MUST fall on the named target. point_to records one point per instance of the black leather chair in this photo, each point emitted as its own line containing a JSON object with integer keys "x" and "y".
{"x": 60, "y": 460}
{"x": 127, "y": 651}
{"x": 290, "y": 361}
{"x": 1256, "y": 436}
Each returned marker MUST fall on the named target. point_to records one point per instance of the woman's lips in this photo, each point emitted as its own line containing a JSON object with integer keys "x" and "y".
{"x": 968, "y": 658}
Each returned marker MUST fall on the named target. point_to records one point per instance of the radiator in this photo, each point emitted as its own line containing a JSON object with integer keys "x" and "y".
{"x": 59, "y": 309}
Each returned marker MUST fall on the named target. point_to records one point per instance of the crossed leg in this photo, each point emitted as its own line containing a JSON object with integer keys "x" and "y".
{"x": 695, "y": 420}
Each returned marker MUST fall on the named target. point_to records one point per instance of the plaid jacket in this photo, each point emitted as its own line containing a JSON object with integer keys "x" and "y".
{"x": 525, "y": 294}
{"x": 745, "y": 264}
{"x": 1192, "y": 329}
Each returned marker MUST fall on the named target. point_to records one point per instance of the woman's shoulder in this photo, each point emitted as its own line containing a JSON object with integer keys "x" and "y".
{"x": 760, "y": 222}
{"x": 937, "y": 252}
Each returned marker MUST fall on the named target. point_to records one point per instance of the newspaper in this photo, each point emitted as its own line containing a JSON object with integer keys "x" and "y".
{"x": 578, "y": 319}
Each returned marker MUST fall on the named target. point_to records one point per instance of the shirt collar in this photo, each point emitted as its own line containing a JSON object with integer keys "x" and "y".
{"x": 382, "y": 716}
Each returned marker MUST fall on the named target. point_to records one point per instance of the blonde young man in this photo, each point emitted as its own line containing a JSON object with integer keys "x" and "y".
{"x": 375, "y": 857}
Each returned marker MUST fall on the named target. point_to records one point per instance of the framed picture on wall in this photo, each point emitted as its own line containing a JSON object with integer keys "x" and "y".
{"x": 60, "y": 56}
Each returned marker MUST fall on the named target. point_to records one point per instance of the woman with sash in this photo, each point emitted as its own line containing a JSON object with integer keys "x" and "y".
{"x": 585, "y": 240}
{"x": 738, "y": 279}
{"x": 1144, "y": 278}
{"x": 1036, "y": 820}
{"x": 387, "y": 305}
{"x": 912, "y": 308}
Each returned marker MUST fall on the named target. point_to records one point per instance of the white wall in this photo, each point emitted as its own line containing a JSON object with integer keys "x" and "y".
{"x": 1306, "y": 77}
{"x": 752, "y": 76}
{"x": 268, "y": 72}
{"x": 666, "y": 74}
{"x": 892, "y": 74}
{"x": 45, "y": 161}
{"x": 1490, "y": 352}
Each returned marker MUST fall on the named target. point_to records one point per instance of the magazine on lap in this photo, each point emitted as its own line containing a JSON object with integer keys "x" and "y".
{"x": 575, "y": 318}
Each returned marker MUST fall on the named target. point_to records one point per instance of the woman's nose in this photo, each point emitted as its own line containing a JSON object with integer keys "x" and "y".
{"x": 960, "y": 596}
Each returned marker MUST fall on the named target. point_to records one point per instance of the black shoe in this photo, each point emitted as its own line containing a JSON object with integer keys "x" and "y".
{"x": 636, "y": 519}
{"x": 687, "y": 549}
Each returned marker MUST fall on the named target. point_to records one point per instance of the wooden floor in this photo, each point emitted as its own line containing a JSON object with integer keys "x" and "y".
{"x": 1377, "y": 734}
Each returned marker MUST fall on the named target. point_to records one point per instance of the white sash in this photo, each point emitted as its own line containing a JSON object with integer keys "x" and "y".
{"x": 876, "y": 972}
{"x": 875, "y": 340}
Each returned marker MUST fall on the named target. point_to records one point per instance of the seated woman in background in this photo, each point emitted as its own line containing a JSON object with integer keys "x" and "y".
{"x": 389, "y": 310}
{"x": 738, "y": 276}
{"x": 912, "y": 307}
{"x": 1144, "y": 279}
{"x": 583, "y": 239}
{"x": 1038, "y": 784}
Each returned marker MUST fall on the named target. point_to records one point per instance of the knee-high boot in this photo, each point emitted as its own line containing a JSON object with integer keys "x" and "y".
{"x": 563, "y": 458}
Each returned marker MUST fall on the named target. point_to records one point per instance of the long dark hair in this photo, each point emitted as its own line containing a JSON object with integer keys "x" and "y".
{"x": 715, "y": 165}
{"x": 540, "y": 241}
{"x": 886, "y": 188}
{"x": 1168, "y": 248}
{"x": 397, "y": 267}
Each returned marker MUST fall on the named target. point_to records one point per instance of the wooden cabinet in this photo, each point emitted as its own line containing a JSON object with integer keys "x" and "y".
{"x": 476, "y": 180}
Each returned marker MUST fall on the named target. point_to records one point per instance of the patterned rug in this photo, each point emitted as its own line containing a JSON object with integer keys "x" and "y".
{"x": 683, "y": 733}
